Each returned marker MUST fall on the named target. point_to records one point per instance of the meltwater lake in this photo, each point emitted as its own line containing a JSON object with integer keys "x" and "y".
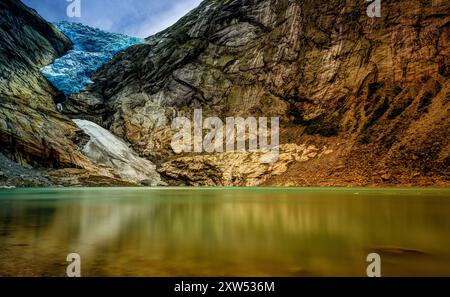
{"x": 225, "y": 231}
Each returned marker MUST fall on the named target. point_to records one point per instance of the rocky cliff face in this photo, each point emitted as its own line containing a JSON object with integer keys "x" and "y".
{"x": 365, "y": 99}
{"x": 32, "y": 132}
{"x": 361, "y": 100}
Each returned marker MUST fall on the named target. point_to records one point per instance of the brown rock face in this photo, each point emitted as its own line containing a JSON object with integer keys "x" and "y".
{"x": 373, "y": 91}
{"x": 27, "y": 43}
{"x": 31, "y": 131}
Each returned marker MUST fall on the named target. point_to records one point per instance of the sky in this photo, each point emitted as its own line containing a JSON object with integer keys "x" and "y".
{"x": 138, "y": 18}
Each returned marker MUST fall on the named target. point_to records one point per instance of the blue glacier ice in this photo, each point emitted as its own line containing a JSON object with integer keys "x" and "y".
{"x": 92, "y": 48}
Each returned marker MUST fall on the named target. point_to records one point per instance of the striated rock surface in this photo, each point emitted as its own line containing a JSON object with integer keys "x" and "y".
{"x": 235, "y": 169}
{"x": 374, "y": 91}
{"x": 362, "y": 101}
{"x": 27, "y": 43}
{"x": 32, "y": 132}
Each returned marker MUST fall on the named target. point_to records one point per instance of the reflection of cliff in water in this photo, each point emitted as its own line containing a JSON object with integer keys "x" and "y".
{"x": 225, "y": 232}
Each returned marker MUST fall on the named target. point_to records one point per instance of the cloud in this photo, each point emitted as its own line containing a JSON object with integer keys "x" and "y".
{"x": 164, "y": 20}
{"x": 140, "y": 18}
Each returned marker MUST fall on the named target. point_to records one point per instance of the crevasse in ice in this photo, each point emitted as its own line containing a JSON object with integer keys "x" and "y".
{"x": 92, "y": 48}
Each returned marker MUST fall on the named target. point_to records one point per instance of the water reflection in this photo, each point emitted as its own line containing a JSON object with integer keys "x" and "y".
{"x": 237, "y": 232}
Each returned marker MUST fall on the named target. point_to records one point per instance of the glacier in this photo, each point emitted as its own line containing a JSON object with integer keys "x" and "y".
{"x": 92, "y": 48}
{"x": 109, "y": 150}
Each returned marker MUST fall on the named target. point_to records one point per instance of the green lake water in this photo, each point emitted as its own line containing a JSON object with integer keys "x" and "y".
{"x": 225, "y": 232}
